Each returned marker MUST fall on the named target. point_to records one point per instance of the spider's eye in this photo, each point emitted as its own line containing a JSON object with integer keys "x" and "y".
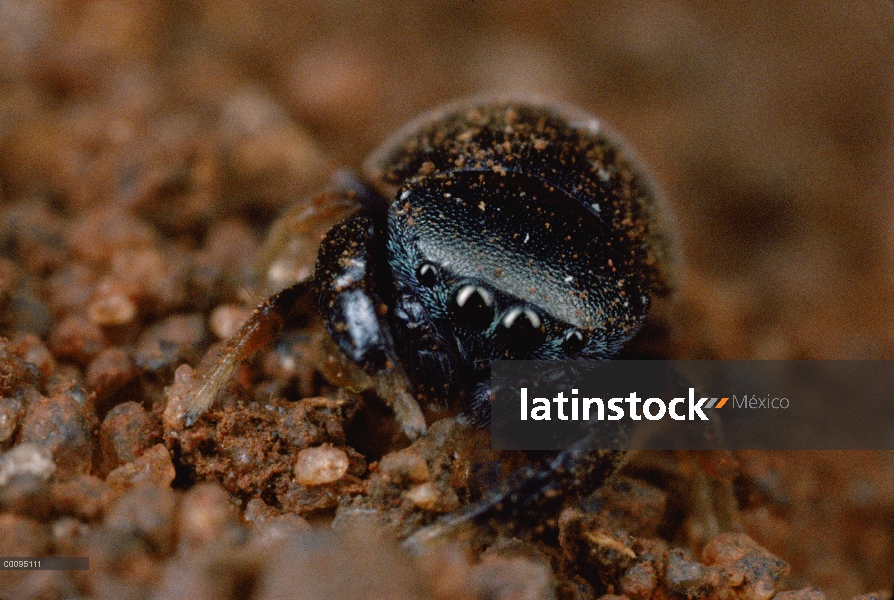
{"x": 472, "y": 307}
{"x": 575, "y": 341}
{"x": 522, "y": 328}
{"x": 427, "y": 274}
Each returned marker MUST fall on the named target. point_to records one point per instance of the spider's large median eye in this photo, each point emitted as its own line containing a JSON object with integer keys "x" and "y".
{"x": 522, "y": 328}
{"x": 575, "y": 341}
{"x": 472, "y": 307}
{"x": 427, "y": 274}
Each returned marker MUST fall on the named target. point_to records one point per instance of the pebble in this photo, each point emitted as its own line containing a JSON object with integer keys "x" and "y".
{"x": 67, "y": 379}
{"x": 100, "y": 235}
{"x": 207, "y": 516}
{"x": 808, "y": 593}
{"x": 188, "y": 578}
{"x": 125, "y": 434}
{"x": 68, "y": 534}
{"x": 34, "y": 352}
{"x": 155, "y": 279}
{"x": 29, "y": 313}
{"x": 169, "y": 341}
{"x": 270, "y": 159}
{"x": 325, "y": 564}
{"x": 513, "y": 578}
{"x": 35, "y": 230}
{"x": 111, "y": 370}
{"x": 320, "y": 465}
{"x": 28, "y": 460}
{"x": 225, "y": 263}
{"x": 11, "y": 412}
{"x": 10, "y": 277}
{"x": 24, "y": 474}
{"x": 750, "y": 568}
{"x": 404, "y": 464}
{"x": 70, "y": 289}
{"x": 21, "y": 536}
{"x": 77, "y": 338}
{"x": 84, "y": 496}
{"x": 153, "y": 467}
{"x": 148, "y": 512}
{"x": 430, "y": 497}
{"x": 357, "y": 518}
{"x": 278, "y": 529}
{"x": 631, "y": 505}
{"x": 14, "y": 372}
{"x": 257, "y": 512}
{"x": 639, "y": 581}
{"x": 59, "y": 425}
{"x": 690, "y": 578}
{"x": 111, "y": 306}
{"x": 424, "y": 495}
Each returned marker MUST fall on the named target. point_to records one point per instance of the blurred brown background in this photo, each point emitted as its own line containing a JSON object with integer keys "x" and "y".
{"x": 769, "y": 125}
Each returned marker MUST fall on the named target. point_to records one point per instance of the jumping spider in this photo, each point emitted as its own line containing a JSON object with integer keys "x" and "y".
{"x": 482, "y": 231}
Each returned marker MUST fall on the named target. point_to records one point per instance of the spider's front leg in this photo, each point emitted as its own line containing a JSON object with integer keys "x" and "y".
{"x": 262, "y": 327}
{"x": 352, "y": 275}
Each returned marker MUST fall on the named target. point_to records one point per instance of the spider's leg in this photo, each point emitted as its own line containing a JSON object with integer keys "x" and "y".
{"x": 262, "y": 327}
{"x": 356, "y": 316}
